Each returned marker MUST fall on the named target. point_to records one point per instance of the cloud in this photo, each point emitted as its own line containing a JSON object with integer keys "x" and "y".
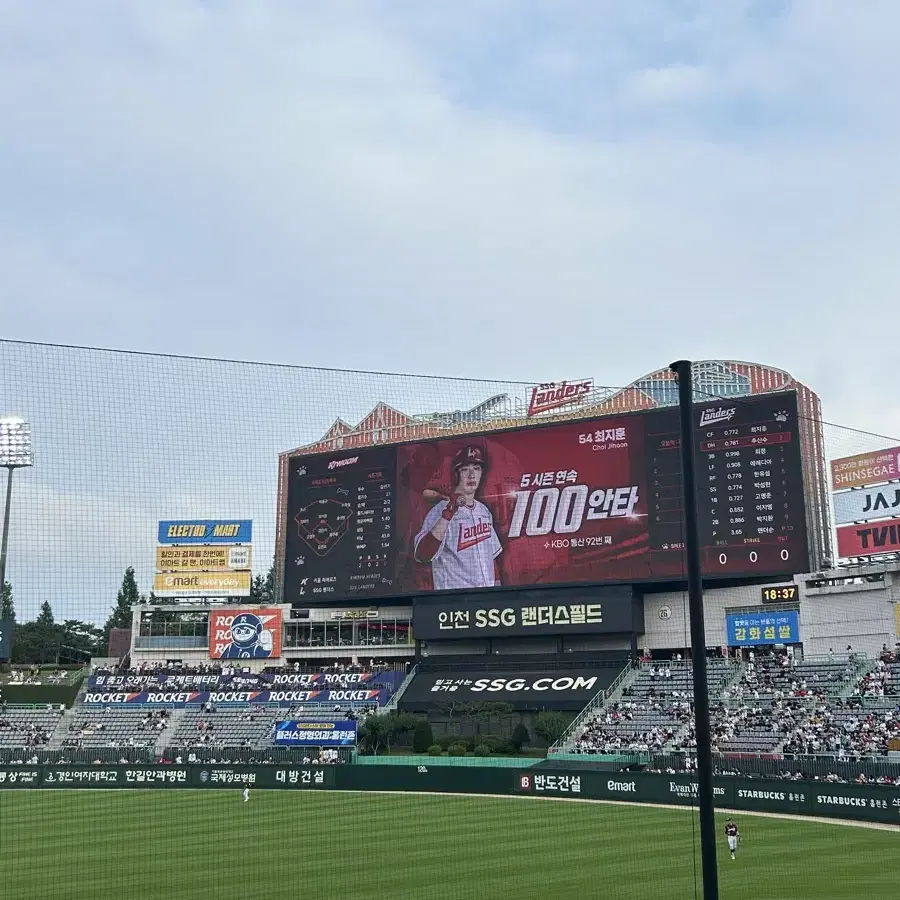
{"x": 508, "y": 190}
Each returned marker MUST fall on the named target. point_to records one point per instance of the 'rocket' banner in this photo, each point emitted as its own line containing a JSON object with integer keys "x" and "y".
{"x": 223, "y": 698}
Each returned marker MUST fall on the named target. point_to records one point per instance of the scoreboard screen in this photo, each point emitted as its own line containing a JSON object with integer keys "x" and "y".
{"x": 590, "y": 501}
{"x": 749, "y": 487}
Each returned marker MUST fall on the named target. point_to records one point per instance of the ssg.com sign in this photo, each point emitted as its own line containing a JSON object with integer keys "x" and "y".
{"x": 499, "y": 685}
{"x": 565, "y": 690}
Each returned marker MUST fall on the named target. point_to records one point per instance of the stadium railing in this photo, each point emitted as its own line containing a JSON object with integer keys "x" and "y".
{"x": 272, "y": 755}
{"x": 497, "y": 762}
{"x": 597, "y": 700}
{"x": 394, "y": 701}
{"x": 761, "y": 765}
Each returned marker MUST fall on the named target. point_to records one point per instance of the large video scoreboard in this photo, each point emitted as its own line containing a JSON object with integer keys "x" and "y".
{"x": 590, "y": 501}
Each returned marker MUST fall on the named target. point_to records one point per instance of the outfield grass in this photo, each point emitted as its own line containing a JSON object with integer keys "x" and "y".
{"x": 210, "y": 845}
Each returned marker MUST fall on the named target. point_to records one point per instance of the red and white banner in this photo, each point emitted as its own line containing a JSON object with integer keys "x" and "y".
{"x": 868, "y": 540}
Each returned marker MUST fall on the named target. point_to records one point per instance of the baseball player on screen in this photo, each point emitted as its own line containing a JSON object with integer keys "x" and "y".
{"x": 458, "y": 536}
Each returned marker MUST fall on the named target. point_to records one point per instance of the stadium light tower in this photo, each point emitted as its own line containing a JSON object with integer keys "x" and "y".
{"x": 15, "y": 453}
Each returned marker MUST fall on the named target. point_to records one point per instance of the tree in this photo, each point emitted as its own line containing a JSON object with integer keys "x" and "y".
{"x": 519, "y": 737}
{"x": 257, "y": 589}
{"x": 262, "y": 589}
{"x": 377, "y": 732}
{"x": 7, "y": 609}
{"x": 549, "y": 726}
{"x": 422, "y": 736}
{"x": 38, "y": 641}
{"x": 120, "y": 614}
{"x": 79, "y": 641}
{"x": 373, "y": 733}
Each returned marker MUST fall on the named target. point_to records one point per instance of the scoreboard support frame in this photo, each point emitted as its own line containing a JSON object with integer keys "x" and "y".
{"x": 683, "y": 372}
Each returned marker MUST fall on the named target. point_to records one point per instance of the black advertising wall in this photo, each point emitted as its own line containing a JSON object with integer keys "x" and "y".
{"x": 870, "y": 803}
{"x": 563, "y": 689}
{"x": 561, "y": 611}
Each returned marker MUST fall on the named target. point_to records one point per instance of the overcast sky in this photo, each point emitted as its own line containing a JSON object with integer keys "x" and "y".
{"x": 503, "y": 189}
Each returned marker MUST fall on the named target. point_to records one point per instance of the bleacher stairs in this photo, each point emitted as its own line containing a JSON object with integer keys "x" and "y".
{"x": 391, "y": 705}
{"x": 163, "y": 740}
{"x": 62, "y": 729}
{"x": 609, "y": 695}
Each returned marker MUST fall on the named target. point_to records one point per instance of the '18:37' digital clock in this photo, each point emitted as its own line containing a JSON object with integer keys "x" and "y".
{"x": 785, "y": 592}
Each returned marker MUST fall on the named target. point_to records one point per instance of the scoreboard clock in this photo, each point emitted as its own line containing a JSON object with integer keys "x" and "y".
{"x": 781, "y": 594}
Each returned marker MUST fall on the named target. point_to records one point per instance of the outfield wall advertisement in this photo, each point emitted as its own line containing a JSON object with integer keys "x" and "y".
{"x": 871, "y": 803}
{"x": 240, "y": 680}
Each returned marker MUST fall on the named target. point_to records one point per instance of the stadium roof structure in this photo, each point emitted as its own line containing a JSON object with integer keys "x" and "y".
{"x": 712, "y": 379}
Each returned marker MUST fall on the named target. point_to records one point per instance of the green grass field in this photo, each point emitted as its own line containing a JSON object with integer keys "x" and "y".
{"x": 209, "y": 845}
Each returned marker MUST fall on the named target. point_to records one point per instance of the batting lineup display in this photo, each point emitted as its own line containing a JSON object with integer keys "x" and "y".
{"x": 341, "y": 530}
{"x": 588, "y": 501}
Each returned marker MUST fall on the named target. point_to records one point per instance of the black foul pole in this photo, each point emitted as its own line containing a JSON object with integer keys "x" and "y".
{"x": 682, "y": 369}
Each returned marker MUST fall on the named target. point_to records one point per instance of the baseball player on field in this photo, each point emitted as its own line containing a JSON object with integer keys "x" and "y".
{"x": 458, "y": 536}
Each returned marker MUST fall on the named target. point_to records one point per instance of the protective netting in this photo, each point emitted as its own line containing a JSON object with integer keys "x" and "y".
{"x": 114, "y": 681}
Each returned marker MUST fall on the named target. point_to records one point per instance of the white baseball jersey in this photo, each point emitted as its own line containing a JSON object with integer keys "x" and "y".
{"x": 465, "y": 558}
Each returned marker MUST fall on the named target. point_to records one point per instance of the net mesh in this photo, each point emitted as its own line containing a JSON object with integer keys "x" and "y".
{"x": 122, "y": 441}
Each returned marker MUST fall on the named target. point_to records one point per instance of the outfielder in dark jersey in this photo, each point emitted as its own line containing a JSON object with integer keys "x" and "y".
{"x": 733, "y": 836}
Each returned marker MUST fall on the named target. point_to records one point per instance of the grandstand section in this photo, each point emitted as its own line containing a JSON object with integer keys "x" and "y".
{"x": 651, "y": 708}
{"x": 28, "y": 726}
{"x": 112, "y": 728}
{"x": 777, "y": 704}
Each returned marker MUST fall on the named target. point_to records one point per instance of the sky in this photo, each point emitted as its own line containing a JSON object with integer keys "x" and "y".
{"x": 512, "y": 191}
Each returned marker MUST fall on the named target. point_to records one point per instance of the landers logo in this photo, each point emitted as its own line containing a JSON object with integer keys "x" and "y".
{"x": 471, "y": 535}
{"x": 719, "y": 414}
{"x": 552, "y": 395}
{"x": 340, "y": 463}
